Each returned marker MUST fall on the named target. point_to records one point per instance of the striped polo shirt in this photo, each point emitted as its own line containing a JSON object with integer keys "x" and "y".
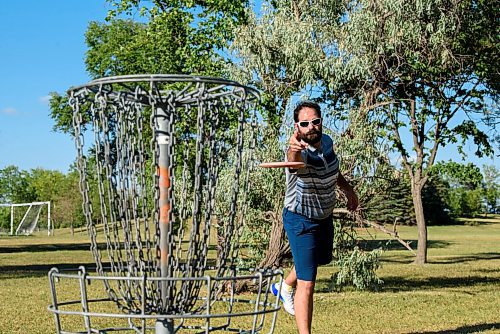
{"x": 310, "y": 191}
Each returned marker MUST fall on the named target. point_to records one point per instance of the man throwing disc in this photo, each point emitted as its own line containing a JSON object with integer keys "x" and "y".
{"x": 307, "y": 213}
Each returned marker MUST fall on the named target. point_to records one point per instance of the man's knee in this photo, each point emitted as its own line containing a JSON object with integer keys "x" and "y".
{"x": 306, "y": 286}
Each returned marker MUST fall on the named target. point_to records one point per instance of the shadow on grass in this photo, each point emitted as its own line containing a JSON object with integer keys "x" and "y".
{"x": 85, "y": 246}
{"x": 399, "y": 283}
{"x": 391, "y": 245}
{"x": 408, "y": 259}
{"x": 465, "y": 329}
{"x": 479, "y": 220}
{"x": 38, "y": 270}
{"x": 468, "y": 258}
{"x": 488, "y": 271}
{"x": 404, "y": 284}
{"x": 48, "y": 247}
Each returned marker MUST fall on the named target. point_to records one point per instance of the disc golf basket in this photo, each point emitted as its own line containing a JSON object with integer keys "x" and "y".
{"x": 164, "y": 165}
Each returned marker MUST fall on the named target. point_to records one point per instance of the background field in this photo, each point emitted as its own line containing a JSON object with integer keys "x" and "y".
{"x": 458, "y": 291}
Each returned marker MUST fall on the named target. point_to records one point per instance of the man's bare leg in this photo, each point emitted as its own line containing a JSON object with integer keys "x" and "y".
{"x": 303, "y": 301}
{"x": 304, "y": 305}
{"x": 291, "y": 279}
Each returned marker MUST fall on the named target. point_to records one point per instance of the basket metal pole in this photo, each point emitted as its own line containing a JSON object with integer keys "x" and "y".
{"x": 163, "y": 326}
{"x": 157, "y": 261}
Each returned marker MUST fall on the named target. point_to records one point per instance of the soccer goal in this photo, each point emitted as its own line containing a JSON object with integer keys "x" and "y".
{"x": 26, "y": 217}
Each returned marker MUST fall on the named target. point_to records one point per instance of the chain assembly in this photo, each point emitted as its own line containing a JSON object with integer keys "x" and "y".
{"x": 151, "y": 152}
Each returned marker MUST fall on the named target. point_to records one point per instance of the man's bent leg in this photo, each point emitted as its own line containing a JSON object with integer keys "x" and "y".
{"x": 291, "y": 279}
{"x": 304, "y": 305}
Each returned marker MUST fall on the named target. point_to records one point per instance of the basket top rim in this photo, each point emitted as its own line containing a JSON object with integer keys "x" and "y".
{"x": 163, "y": 78}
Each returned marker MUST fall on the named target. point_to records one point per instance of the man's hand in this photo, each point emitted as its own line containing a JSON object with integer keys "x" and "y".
{"x": 352, "y": 200}
{"x": 296, "y": 144}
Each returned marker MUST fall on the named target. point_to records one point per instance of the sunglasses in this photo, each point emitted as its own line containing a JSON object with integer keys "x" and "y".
{"x": 305, "y": 124}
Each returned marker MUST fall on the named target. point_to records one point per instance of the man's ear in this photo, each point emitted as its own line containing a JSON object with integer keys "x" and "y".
{"x": 296, "y": 127}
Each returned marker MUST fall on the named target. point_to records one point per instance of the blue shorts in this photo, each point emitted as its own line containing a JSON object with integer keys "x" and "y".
{"x": 311, "y": 241}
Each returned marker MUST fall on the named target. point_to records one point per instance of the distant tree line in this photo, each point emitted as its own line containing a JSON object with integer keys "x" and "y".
{"x": 41, "y": 185}
{"x": 455, "y": 190}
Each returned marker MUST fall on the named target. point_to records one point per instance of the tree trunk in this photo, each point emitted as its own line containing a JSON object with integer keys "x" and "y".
{"x": 278, "y": 247}
{"x": 416, "y": 191}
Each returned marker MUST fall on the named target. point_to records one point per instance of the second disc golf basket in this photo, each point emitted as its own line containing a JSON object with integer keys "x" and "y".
{"x": 164, "y": 164}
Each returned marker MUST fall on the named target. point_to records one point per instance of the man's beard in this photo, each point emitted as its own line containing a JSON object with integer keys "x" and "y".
{"x": 312, "y": 137}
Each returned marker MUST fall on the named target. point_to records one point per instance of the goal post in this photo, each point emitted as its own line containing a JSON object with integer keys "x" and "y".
{"x": 30, "y": 218}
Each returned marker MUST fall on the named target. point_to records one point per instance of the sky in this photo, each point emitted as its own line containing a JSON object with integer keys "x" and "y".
{"x": 42, "y": 50}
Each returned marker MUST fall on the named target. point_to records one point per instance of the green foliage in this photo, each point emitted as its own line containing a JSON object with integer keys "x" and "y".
{"x": 171, "y": 37}
{"x": 126, "y": 47}
{"x": 442, "y": 201}
{"x": 480, "y": 37}
{"x": 181, "y": 36}
{"x": 463, "y": 183}
{"x": 4, "y": 218}
{"x": 459, "y": 175}
{"x": 41, "y": 185}
{"x": 469, "y": 129}
{"x": 15, "y": 186}
{"x": 265, "y": 195}
{"x": 61, "y": 113}
{"x": 435, "y": 201}
{"x": 465, "y": 203}
{"x": 491, "y": 188}
{"x": 454, "y": 190}
{"x": 358, "y": 269}
{"x": 410, "y": 56}
{"x": 405, "y": 65}
{"x": 391, "y": 203}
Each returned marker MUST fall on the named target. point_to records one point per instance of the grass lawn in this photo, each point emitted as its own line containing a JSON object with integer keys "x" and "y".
{"x": 458, "y": 291}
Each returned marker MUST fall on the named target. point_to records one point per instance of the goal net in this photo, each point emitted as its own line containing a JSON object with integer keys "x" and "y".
{"x": 25, "y": 218}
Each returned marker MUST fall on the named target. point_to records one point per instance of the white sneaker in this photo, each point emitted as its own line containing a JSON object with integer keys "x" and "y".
{"x": 285, "y": 296}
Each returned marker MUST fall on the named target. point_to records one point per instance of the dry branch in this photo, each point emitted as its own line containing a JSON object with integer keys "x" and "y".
{"x": 361, "y": 220}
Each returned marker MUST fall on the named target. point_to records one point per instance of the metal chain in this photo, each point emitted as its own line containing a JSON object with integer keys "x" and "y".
{"x": 127, "y": 183}
{"x": 229, "y": 227}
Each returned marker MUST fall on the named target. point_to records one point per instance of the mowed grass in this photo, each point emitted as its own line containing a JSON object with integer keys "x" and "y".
{"x": 458, "y": 291}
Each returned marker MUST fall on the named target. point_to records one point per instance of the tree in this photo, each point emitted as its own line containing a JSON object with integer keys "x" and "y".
{"x": 177, "y": 37}
{"x": 15, "y": 186}
{"x": 435, "y": 200}
{"x": 67, "y": 203}
{"x": 459, "y": 175}
{"x": 277, "y": 55}
{"x": 406, "y": 65}
{"x": 47, "y": 184}
{"x": 170, "y": 36}
{"x": 414, "y": 53}
{"x": 390, "y": 202}
{"x": 19, "y": 186}
{"x": 463, "y": 184}
{"x": 491, "y": 188}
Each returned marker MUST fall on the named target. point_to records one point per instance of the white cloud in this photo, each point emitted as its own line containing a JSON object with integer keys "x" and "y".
{"x": 9, "y": 111}
{"x": 45, "y": 99}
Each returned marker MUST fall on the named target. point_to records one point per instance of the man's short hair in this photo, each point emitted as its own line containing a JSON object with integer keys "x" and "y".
{"x": 305, "y": 104}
